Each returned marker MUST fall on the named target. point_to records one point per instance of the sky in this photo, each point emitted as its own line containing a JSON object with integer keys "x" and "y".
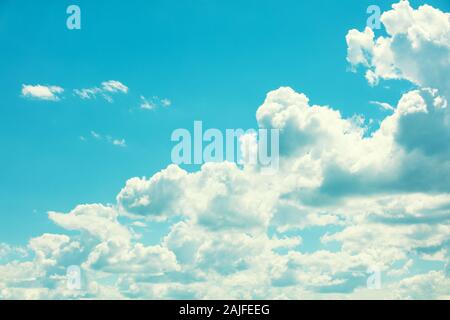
{"x": 87, "y": 175}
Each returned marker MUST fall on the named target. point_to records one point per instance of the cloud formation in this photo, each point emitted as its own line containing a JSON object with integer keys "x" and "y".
{"x": 416, "y": 48}
{"x": 40, "y": 92}
{"x": 53, "y": 93}
{"x": 106, "y": 138}
{"x": 104, "y": 90}
{"x": 154, "y": 102}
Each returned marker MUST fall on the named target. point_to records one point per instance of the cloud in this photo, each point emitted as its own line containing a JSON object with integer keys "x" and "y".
{"x": 154, "y": 102}
{"x": 119, "y": 142}
{"x": 97, "y": 220}
{"x": 97, "y": 136}
{"x": 166, "y": 102}
{"x": 432, "y": 285}
{"x": 232, "y": 236}
{"x": 104, "y": 90}
{"x": 114, "y": 86}
{"x": 87, "y": 93}
{"x": 40, "y": 92}
{"x": 383, "y": 105}
{"x": 217, "y": 197}
{"x": 8, "y": 252}
{"x": 145, "y": 104}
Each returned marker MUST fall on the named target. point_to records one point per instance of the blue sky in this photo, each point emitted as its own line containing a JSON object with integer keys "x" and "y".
{"x": 214, "y": 60}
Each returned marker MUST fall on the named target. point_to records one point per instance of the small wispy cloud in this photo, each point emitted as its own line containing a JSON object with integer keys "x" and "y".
{"x": 40, "y": 92}
{"x": 166, "y": 102}
{"x": 154, "y": 102}
{"x": 383, "y": 105}
{"x": 145, "y": 104}
{"x": 119, "y": 142}
{"x": 107, "y": 138}
{"x": 87, "y": 93}
{"x": 96, "y": 135}
{"x": 114, "y": 86}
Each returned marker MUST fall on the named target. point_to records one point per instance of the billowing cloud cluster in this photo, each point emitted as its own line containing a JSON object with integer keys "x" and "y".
{"x": 417, "y": 47}
{"x": 345, "y": 200}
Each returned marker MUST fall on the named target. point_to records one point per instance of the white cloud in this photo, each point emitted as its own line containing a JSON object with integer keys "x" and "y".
{"x": 220, "y": 196}
{"x": 106, "y": 88}
{"x": 50, "y": 93}
{"x": 116, "y": 142}
{"x": 122, "y": 257}
{"x": 87, "y": 93}
{"x": 153, "y": 103}
{"x": 114, "y": 86}
{"x": 96, "y": 135}
{"x": 8, "y": 252}
{"x": 145, "y": 104}
{"x": 418, "y": 40}
{"x": 166, "y": 102}
{"x": 223, "y": 246}
{"x": 383, "y": 105}
{"x": 432, "y": 285}
{"x": 119, "y": 142}
{"x": 97, "y": 220}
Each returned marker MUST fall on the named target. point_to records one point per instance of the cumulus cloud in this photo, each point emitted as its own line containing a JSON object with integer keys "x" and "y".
{"x": 344, "y": 201}
{"x": 416, "y": 48}
{"x": 220, "y": 196}
{"x": 40, "y": 92}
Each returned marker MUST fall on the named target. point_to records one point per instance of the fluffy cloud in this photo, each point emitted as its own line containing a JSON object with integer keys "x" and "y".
{"x": 97, "y": 220}
{"x": 416, "y": 48}
{"x": 346, "y": 201}
{"x": 40, "y": 92}
{"x": 431, "y": 285}
{"x": 220, "y": 196}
